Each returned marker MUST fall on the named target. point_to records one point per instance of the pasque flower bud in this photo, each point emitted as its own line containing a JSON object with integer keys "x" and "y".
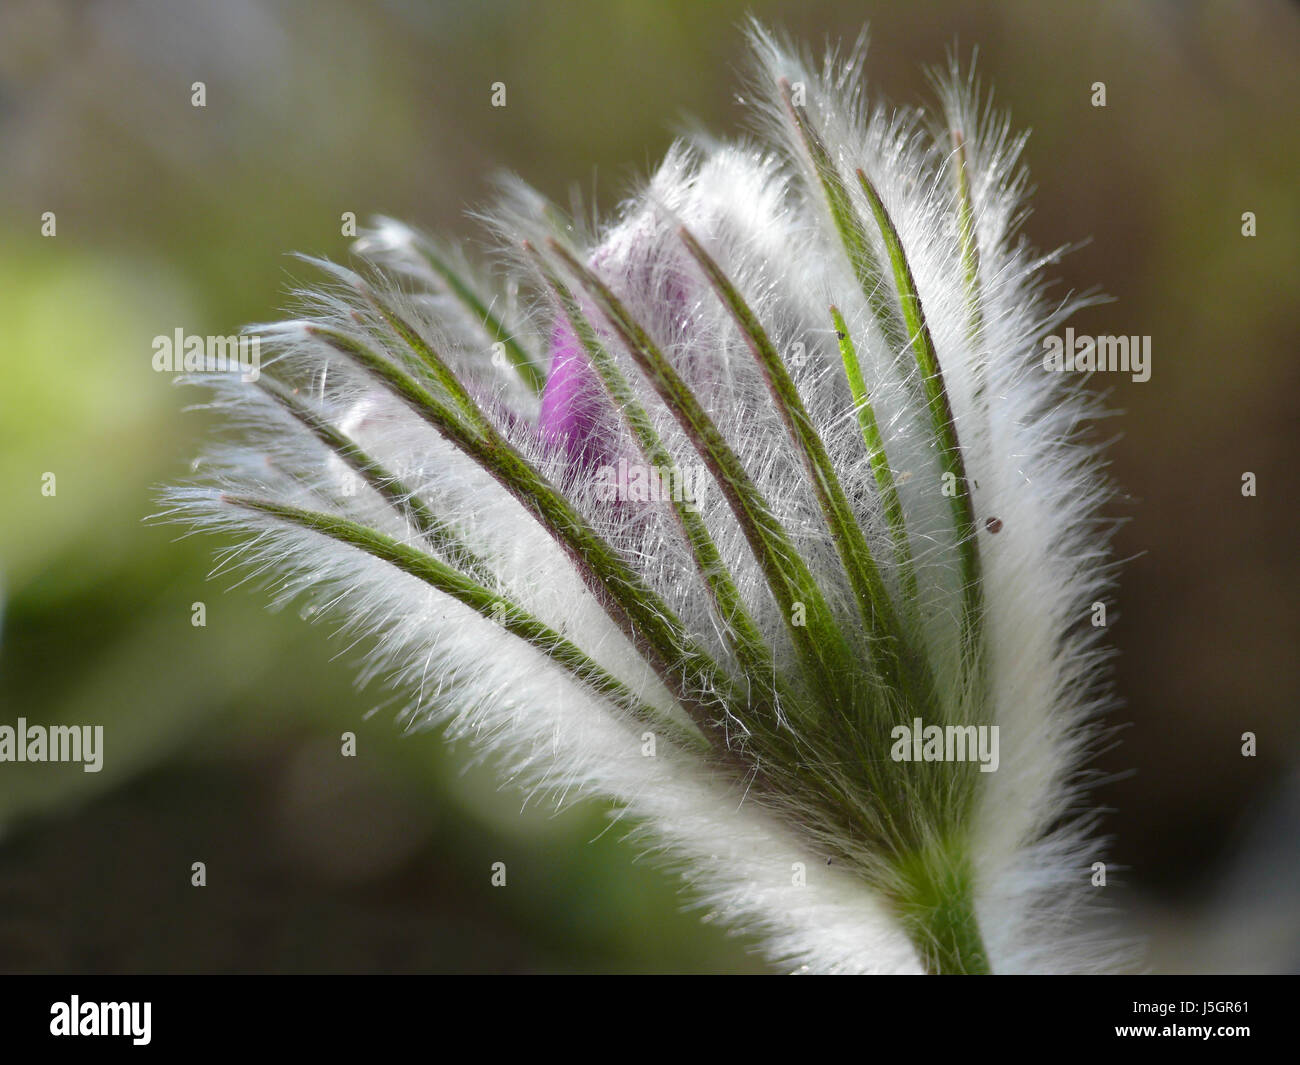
{"x": 842, "y": 679}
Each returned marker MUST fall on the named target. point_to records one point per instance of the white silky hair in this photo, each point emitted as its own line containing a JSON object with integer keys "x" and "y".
{"x": 758, "y": 211}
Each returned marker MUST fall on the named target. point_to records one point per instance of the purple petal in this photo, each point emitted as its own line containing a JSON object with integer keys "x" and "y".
{"x": 576, "y": 414}
{"x": 575, "y": 410}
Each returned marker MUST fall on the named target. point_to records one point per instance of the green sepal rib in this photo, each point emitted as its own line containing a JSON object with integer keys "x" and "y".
{"x": 878, "y": 612}
{"x": 751, "y": 650}
{"x": 391, "y": 488}
{"x": 524, "y": 364}
{"x": 940, "y": 410}
{"x": 487, "y": 603}
{"x": 862, "y": 257}
{"x": 636, "y": 608}
{"x": 820, "y": 642}
{"x": 430, "y": 359}
{"x": 970, "y": 256}
{"x": 970, "y": 260}
{"x": 880, "y": 467}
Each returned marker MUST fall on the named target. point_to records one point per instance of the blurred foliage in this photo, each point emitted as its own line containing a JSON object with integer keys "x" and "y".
{"x": 222, "y": 741}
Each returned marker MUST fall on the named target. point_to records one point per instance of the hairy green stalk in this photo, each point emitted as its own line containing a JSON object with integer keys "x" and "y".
{"x": 935, "y": 903}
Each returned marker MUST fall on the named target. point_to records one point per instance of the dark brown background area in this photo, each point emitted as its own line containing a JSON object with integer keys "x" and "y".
{"x": 224, "y": 739}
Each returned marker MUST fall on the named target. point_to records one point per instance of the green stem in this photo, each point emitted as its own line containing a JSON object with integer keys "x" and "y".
{"x": 970, "y": 256}
{"x": 936, "y": 905}
{"x": 970, "y": 259}
{"x": 432, "y": 362}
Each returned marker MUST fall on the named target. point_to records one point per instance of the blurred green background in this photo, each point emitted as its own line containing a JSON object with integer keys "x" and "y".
{"x": 222, "y": 741}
